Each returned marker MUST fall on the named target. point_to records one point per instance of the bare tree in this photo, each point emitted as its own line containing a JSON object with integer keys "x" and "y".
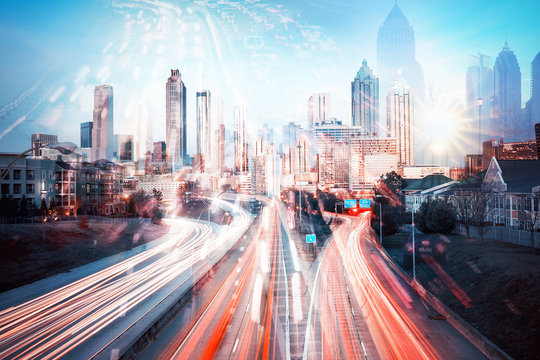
{"x": 480, "y": 209}
{"x": 463, "y": 204}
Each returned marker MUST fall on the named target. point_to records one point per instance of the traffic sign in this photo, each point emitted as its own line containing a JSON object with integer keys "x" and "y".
{"x": 310, "y": 238}
{"x": 349, "y": 203}
{"x": 364, "y": 203}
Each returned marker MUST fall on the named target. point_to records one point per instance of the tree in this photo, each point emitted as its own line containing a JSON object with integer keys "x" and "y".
{"x": 52, "y": 208}
{"x": 44, "y": 209}
{"x": 436, "y": 216}
{"x": 23, "y": 208}
{"x": 480, "y": 209}
{"x": 462, "y": 203}
{"x": 394, "y": 181}
{"x": 158, "y": 195}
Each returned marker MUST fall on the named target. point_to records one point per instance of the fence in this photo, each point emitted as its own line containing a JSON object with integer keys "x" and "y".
{"x": 504, "y": 234}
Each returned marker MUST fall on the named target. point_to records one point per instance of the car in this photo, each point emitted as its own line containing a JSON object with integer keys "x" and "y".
{"x": 432, "y": 245}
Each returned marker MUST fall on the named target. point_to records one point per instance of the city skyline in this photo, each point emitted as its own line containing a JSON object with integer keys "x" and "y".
{"x": 63, "y": 104}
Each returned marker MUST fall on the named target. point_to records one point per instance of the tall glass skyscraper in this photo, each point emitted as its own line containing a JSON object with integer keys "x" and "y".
{"x": 535, "y": 89}
{"x": 86, "y": 134}
{"x": 319, "y": 109}
{"x": 204, "y": 129}
{"x": 396, "y": 51}
{"x": 506, "y": 104}
{"x": 176, "y": 121}
{"x": 400, "y": 120}
{"x": 103, "y": 127}
{"x": 241, "y": 163}
{"x": 365, "y": 100}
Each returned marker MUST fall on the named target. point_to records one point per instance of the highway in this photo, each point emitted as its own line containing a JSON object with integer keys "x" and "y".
{"x": 87, "y": 314}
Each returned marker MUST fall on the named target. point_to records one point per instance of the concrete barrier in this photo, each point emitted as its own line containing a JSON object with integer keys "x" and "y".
{"x": 482, "y": 343}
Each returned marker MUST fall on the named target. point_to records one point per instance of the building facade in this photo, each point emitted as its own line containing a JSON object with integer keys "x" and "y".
{"x": 175, "y": 102}
{"x": 39, "y": 139}
{"x": 365, "y": 100}
{"x": 319, "y": 109}
{"x": 400, "y": 120}
{"x": 241, "y": 155}
{"x": 103, "y": 123}
{"x": 204, "y": 129}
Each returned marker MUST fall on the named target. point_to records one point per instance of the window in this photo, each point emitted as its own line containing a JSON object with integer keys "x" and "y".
{"x": 16, "y": 188}
{"x": 5, "y": 189}
{"x": 29, "y": 188}
{"x": 7, "y": 175}
{"x": 29, "y": 174}
{"x": 17, "y": 174}
{"x": 30, "y": 203}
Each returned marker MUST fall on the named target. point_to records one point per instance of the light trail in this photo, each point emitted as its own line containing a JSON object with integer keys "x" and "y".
{"x": 54, "y": 324}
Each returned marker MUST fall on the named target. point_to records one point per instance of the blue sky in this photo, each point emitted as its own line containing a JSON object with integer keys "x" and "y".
{"x": 271, "y": 55}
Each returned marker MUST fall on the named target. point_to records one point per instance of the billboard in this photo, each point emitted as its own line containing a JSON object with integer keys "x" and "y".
{"x": 349, "y": 203}
{"x": 311, "y": 238}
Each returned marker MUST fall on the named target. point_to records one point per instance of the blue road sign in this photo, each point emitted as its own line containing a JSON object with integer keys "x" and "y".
{"x": 349, "y": 203}
{"x": 364, "y": 203}
{"x": 311, "y": 238}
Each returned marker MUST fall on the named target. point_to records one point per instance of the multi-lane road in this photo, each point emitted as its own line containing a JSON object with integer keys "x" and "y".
{"x": 261, "y": 301}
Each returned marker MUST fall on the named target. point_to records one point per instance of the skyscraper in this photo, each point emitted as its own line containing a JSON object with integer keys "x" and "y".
{"x": 319, "y": 109}
{"x": 507, "y": 96}
{"x": 400, "y": 120}
{"x": 204, "y": 129}
{"x": 240, "y": 144}
{"x": 39, "y": 139}
{"x": 86, "y": 134}
{"x": 396, "y": 52}
{"x": 103, "y": 127}
{"x": 479, "y": 85}
{"x": 123, "y": 147}
{"x": 176, "y": 121}
{"x": 365, "y": 99}
{"x": 535, "y": 89}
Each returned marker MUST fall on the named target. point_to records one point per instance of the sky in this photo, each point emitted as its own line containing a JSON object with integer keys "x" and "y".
{"x": 269, "y": 55}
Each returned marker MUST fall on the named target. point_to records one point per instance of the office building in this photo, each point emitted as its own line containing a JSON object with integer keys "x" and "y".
{"x": 396, "y": 51}
{"x": 535, "y": 89}
{"x": 506, "y": 105}
{"x": 204, "y": 129}
{"x": 39, "y": 139}
{"x": 160, "y": 151}
{"x": 365, "y": 100}
{"x": 175, "y": 102}
{"x": 537, "y": 133}
{"x": 86, "y": 134}
{"x": 241, "y": 143}
{"x": 103, "y": 123}
{"x": 319, "y": 109}
{"x": 123, "y": 148}
{"x": 400, "y": 120}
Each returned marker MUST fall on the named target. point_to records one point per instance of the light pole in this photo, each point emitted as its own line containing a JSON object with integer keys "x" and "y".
{"x": 380, "y": 216}
{"x": 480, "y": 102}
{"x": 299, "y": 147}
{"x": 413, "y": 247}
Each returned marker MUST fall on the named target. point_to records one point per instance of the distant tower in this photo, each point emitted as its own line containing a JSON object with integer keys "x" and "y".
{"x": 240, "y": 144}
{"x": 479, "y": 85}
{"x": 506, "y": 103}
{"x": 365, "y": 99}
{"x": 176, "y": 121}
{"x": 400, "y": 120}
{"x": 204, "y": 129}
{"x": 103, "y": 127}
{"x": 396, "y": 52}
{"x": 319, "y": 109}
{"x": 39, "y": 139}
{"x": 535, "y": 89}
{"x": 86, "y": 134}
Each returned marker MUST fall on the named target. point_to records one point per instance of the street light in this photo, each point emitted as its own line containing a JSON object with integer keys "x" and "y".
{"x": 299, "y": 147}
{"x": 480, "y": 102}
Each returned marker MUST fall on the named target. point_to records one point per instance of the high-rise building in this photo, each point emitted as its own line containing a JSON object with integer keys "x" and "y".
{"x": 176, "y": 121}
{"x": 86, "y": 134}
{"x": 39, "y": 139}
{"x": 319, "y": 109}
{"x": 506, "y": 103}
{"x": 537, "y": 133}
{"x": 400, "y": 120}
{"x": 160, "y": 151}
{"x": 479, "y": 90}
{"x": 143, "y": 140}
{"x": 103, "y": 126}
{"x": 204, "y": 129}
{"x": 365, "y": 99}
{"x": 240, "y": 144}
{"x": 396, "y": 52}
{"x": 219, "y": 148}
{"x": 334, "y": 162}
{"x": 535, "y": 89}
{"x": 217, "y": 139}
{"x": 123, "y": 147}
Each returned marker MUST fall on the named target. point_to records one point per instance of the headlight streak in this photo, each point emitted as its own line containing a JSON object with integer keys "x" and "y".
{"x": 55, "y": 323}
